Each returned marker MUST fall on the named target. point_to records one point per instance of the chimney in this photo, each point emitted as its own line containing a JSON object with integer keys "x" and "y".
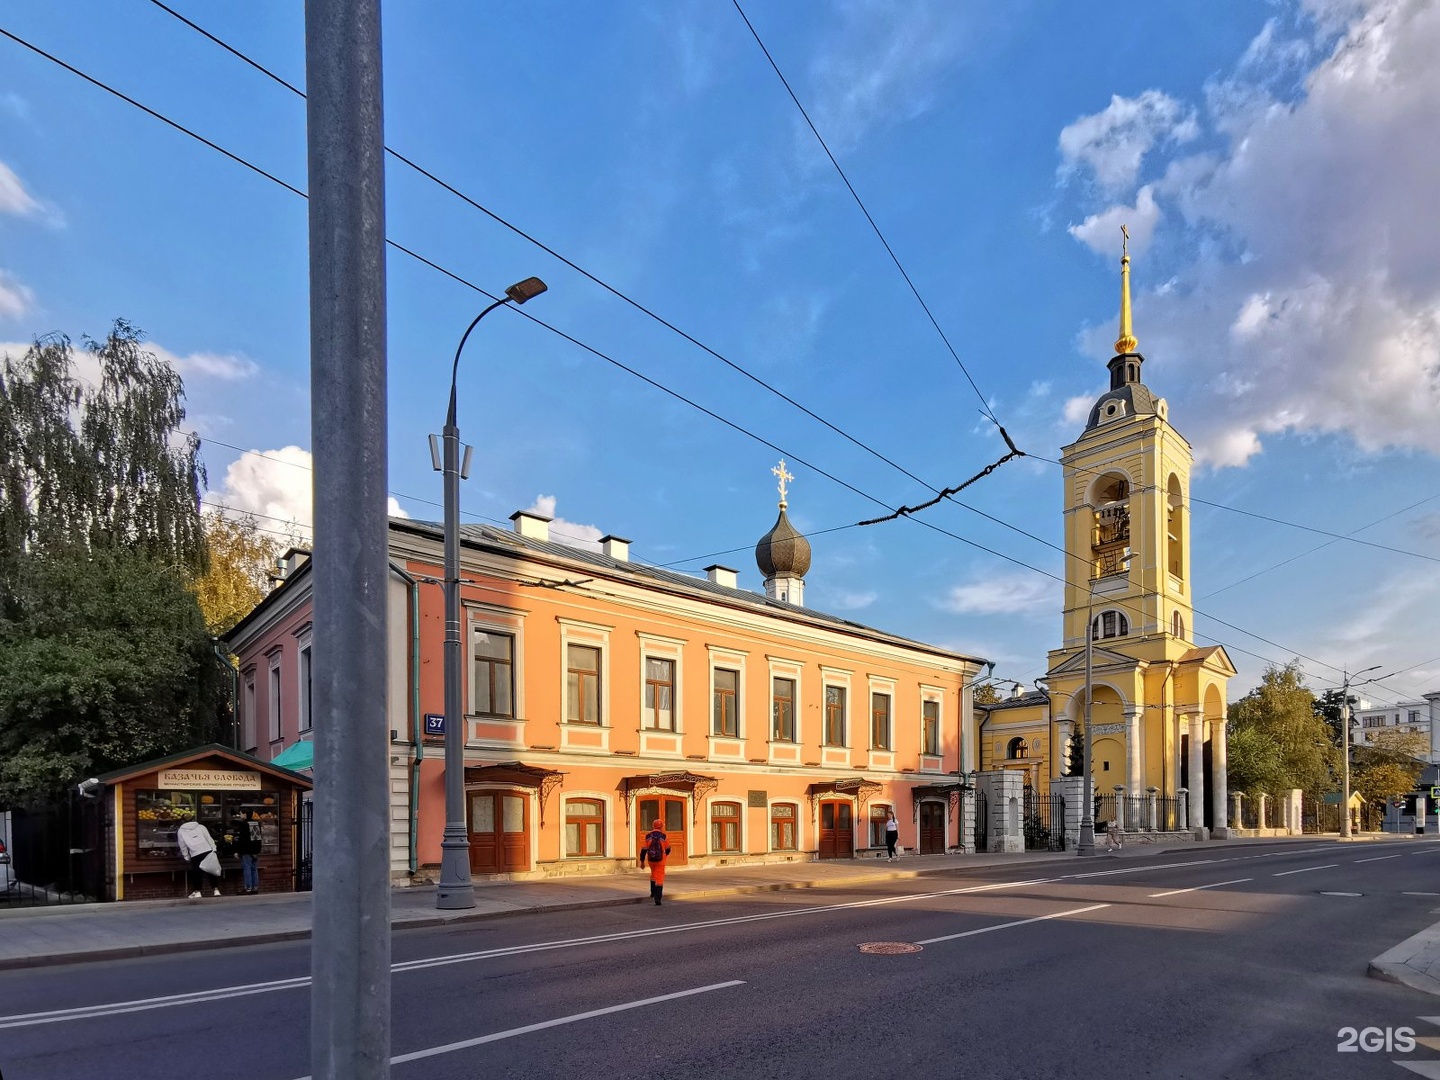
{"x": 722, "y": 575}
{"x": 617, "y": 547}
{"x": 287, "y": 564}
{"x": 531, "y": 526}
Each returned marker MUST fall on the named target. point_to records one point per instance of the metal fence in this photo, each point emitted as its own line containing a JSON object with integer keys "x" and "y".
{"x": 55, "y": 853}
{"x": 1044, "y": 824}
{"x": 982, "y": 822}
{"x": 305, "y": 846}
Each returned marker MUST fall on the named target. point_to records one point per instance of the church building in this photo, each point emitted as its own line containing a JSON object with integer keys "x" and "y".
{"x": 1154, "y": 697}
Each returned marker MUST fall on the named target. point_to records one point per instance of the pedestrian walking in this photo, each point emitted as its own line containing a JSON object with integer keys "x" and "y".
{"x": 655, "y": 849}
{"x": 247, "y": 846}
{"x": 892, "y": 834}
{"x": 1114, "y": 841}
{"x": 197, "y": 848}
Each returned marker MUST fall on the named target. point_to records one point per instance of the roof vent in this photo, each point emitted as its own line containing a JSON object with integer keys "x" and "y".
{"x": 617, "y": 547}
{"x": 530, "y": 525}
{"x": 722, "y": 575}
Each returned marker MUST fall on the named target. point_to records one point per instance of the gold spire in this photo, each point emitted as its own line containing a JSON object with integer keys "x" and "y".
{"x": 1126, "y": 342}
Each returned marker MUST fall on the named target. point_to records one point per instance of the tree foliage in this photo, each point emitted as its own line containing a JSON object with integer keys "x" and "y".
{"x": 241, "y": 559}
{"x": 1329, "y": 707}
{"x": 1276, "y": 739}
{"x": 986, "y": 694}
{"x": 104, "y": 655}
{"x": 1075, "y": 758}
{"x": 1389, "y": 765}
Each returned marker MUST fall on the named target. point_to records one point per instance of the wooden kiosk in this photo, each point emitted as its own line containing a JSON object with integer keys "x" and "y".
{"x": 146, "y": 803}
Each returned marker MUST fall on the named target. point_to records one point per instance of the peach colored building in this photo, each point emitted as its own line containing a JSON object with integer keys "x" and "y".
{"x": 602, "y": 693}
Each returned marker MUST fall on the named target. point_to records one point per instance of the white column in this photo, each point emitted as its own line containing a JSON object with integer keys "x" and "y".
{"x": 1183, "y": 796}
{"x": 1218, "y": 765}
{"x": 1153, "y": 792}
{"x": 1134, "y": 780}
{"x": 1120, "y": 807}
{"x": 1197, "y": 775}
{"x": 1261, "y": 819}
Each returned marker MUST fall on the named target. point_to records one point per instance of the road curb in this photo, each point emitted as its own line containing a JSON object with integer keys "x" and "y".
{"x": 1415, "y": 962}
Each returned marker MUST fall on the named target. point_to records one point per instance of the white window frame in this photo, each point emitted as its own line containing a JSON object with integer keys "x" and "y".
{"x": 733, "y": 800}
{"x": 304, "y": 697}
{"x": 655, "y": 647}
{"x": 606, "y": 841}
{"x": 840, "y": 678}
{"x": 248, "y": 731}
{"x": 498, "y": 620}
{"x": 595, "y": 636}
{"x": 729, "y": 660}
{"x": 799, "y": 824}
{"x": 935, "y": 694}
{"x": 274, "y": 728}
{"x": 779, "y": 668}
{"x": 885, "y": 687}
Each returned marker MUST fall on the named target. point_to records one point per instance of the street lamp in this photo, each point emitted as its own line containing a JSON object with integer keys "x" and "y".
{"x": 456, "y": 889}
{"x": 1086, "y": 844}
{"x": 1345, "y": 734}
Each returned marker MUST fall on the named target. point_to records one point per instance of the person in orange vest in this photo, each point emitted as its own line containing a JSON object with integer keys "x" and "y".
{"x": 654, "y": 849}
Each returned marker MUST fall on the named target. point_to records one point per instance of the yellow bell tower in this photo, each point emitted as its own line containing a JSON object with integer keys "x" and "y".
{"x": 1157, "y": 700}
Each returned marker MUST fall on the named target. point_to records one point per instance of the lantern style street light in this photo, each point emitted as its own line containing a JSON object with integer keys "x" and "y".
{"x": 1345, "y": 734}
{"x": 456, "y": 890}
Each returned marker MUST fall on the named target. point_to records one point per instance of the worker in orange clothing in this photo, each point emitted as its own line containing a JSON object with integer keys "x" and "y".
{"x": 654, "y": 849}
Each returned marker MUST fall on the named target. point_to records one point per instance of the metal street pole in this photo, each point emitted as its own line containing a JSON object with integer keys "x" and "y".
{"x": 350, "y": 941}
{"x": 1345, "y": 735}
{"x": 456, "y": 890}
{"x": 1086, "y": 843}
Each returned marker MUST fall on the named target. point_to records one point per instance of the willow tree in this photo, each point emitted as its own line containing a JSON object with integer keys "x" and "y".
{"x": 99, "y": 492}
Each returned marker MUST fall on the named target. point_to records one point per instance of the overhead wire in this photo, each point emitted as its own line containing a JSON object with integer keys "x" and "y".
{"x": 735, "y": 426}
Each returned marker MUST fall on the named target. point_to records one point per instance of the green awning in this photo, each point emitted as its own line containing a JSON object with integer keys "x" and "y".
{"x": 299, "y": 756}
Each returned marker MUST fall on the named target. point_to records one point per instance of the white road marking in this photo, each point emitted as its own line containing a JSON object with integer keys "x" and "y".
{"x": 1429, "y": 1069}
{"x": 1382, "y": 858}
{"x": 1008, "y": 925}
{"x": 222, "y": 993}
{"x": 1143, "y": 869}
{"x": 464, "y": 1044}
{"x": 1305, "y": 869}
{"x": 1420, "y": 894}
{"x": 1197, "y": 888}
{"x": 1342, "y": 894}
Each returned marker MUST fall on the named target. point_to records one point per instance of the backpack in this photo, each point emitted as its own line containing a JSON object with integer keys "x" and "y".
{"x": 655, "y": 849}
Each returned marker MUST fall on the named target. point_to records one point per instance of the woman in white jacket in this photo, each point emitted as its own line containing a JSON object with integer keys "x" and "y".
{"x": 195, "y": 843}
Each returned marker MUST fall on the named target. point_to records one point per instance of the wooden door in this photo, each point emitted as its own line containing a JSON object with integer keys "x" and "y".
{"x": 671, "y": 810}
{"x": 837, "y": 829}
{"x": 499, "y": 832}
{"x": 932, "y": 828}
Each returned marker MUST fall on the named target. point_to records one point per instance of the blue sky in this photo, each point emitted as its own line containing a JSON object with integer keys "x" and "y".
{"x": 1276, "y": 164}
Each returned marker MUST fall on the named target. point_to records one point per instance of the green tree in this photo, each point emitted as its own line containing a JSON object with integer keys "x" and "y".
{"x": 1281, "y": 712}
{"x": 104, "y": 661}
{"x": 1389, "y": 765}
{"x": 986, "y": 694}
{"x": 1328, "y": 708}
{"x": 1075, "y": 760}
{"x": 104, "y": 656}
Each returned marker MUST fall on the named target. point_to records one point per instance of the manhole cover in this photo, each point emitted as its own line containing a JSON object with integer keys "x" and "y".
{"x": 889, "y": 948}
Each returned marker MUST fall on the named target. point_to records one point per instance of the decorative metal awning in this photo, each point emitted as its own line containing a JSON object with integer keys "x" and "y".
{"x": 936, "y": 791}
{"x": 691, "y": 783}
{"x": 857, "y": 786}
{"x": 544, "y": 781}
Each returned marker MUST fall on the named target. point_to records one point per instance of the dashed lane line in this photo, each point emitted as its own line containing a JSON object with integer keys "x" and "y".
{"x": 1008, "y": 925}
{"x": 1382, "y": 858}
{"x": 1305, "y": 869}
{"x": 544, "y": 1025}
{"x": 1197, "y": 888}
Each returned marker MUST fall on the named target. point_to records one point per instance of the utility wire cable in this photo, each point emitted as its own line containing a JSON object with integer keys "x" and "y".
{"x": 588, "y": 348}
{"x": 984, "y": 405}
{"x": 617, "y": 293}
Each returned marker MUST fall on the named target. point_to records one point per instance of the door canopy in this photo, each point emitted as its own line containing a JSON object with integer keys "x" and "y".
{"x": 518, "y": 774}
{"x": 856, "y": 786}
{"x": 685, "y": 782}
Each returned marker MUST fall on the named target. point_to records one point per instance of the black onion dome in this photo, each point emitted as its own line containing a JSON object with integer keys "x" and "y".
{"x": 783, "y": 551}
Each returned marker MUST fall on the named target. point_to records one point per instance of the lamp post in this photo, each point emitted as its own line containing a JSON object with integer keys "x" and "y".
{"x": 1086, "y": 843}
{"x": 456, "y": 890}
{"x": 1345, "y": 734}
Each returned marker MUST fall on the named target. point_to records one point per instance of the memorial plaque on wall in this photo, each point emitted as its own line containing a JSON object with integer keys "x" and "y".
{"x": 757, "y": 800}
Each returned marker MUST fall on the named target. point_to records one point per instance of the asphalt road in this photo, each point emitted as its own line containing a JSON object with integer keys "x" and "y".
{"x": 1222, "y": 962}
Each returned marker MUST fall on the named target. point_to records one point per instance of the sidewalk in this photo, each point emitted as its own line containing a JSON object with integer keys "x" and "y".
{"x": 35, "y": 937}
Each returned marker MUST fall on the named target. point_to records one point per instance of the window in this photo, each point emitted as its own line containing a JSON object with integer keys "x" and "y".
{"x": 305, "y": 696}
{"x": 659, "y": 712}
{"x": 492, "y": 691}
{"x": 1174, "y": 527}
{"x": 930, "y": 727}
{"x": 879, "y": 814}
{"x": 834, "y": 716}
{"x": 782, "y": 694}
{"x": 1109, "y": 624}
{"x": 274, "y": 718}
{"x": 582, "y": 684}
{"x": 782, "y": 827}
{"x": 727, "y": 702}
{"x": 725, "y": 827}
{"x": 247, "y": 714}
{"x": 1177, "y": 625}
{"x": 584, "y": 828}
{"x": 1016, "y": 749}
{"x": 158, "y": 814}
{"x": 880, "y": 721}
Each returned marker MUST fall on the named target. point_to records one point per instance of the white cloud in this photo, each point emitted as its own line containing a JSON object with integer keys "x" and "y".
{"x": 276, "y": 486}
{"x": 1113, "y": 142}
{"x": 15, "y": 297}
{"x": 1015, "y": 594}
{"x": 850, "y": 601}
{"x": 566, "y": 532}
{"x": 14, "y": 199}
{"x": 878, "y": 68}
{"x": 1309, "y": 300}
{"x": 1101, "y": 232}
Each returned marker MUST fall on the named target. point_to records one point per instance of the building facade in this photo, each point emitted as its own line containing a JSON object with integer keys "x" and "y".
{"x": 602, "y": 694}
{"x": 1156, "y": 699}
{"x": 1420, "y": 716}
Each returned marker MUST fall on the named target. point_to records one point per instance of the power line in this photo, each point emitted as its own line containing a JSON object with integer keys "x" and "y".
{"x": 984, "y": 405}
{"x": 617, "y": 293}
{"x": 659, "y": 386}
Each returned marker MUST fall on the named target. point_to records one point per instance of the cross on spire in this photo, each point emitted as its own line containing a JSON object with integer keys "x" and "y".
{"x": 785, "y": 477}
